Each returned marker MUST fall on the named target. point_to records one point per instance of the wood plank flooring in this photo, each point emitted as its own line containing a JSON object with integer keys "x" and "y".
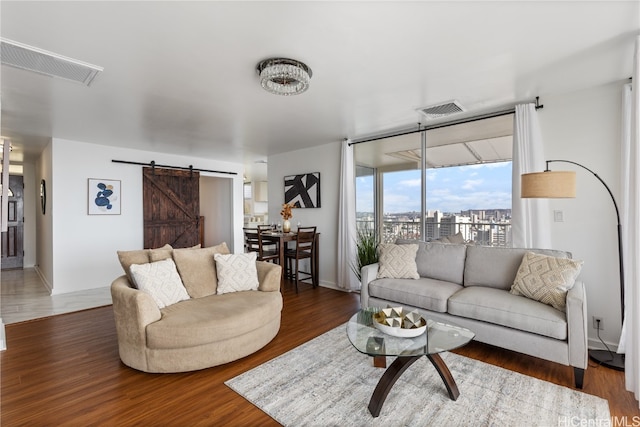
{"x": 65, "y": 370}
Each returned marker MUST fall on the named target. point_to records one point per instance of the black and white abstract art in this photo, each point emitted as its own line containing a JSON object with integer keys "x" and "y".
{"x": 303, "y": 190}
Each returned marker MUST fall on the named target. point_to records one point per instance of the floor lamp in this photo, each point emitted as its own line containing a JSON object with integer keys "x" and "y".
{"x": 562, "y": 184}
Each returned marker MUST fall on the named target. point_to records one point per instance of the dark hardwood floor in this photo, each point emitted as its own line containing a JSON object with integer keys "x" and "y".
{"x": 65, "y": 370}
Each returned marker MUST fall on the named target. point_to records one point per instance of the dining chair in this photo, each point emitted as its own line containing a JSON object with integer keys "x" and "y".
{"x": 251, "y": 243}
{"x": 269, "y": 248}
{"x": 305, "y": 249}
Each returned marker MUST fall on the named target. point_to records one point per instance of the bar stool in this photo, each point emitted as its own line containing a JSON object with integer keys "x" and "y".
{"x": 305, "y": 249}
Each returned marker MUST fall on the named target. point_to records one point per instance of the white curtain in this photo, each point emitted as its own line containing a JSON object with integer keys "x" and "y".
{"x": 630, "y": 221}
{"x": 530, "y": 220}
{"x": 347, "y": 220}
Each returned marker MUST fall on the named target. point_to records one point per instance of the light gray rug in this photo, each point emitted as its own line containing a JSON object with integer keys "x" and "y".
{"x": 327, "y": 382}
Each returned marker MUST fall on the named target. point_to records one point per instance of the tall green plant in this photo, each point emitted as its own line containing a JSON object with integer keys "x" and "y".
{"x": 366, "y": 251}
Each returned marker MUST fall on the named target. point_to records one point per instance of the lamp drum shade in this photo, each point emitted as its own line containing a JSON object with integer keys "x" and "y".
{"x": 548, "y": 184}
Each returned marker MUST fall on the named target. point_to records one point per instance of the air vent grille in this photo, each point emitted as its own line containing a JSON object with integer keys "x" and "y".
{"x": 441, "y": 110}
{"x": 31, "y": 58}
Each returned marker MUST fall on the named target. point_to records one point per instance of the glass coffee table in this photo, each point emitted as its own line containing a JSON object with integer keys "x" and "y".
{"x": 438, "y": 337}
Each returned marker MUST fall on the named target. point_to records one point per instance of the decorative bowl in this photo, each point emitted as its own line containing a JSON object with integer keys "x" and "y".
{"x": 409, "y": 325}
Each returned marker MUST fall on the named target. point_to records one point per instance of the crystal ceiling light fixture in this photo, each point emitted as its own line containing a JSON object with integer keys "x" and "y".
{"x": 284, "y": 76}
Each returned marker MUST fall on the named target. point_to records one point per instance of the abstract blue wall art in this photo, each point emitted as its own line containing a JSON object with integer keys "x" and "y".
{"x": 104, "y": 196}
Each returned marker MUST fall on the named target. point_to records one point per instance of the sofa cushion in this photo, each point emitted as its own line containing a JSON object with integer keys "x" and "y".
{"x": 197, "y": 269}
{"x": 141, "y": 256}
{"x": 160, "y": 280}
{"x": 429, "y": 294}
{"x": 397, "y": 261}
{"x": 213, "y": 318}
{"x": 497, "y": 267}
{"x": 546, "y": 279}
{"x": 440, "y": 261}
{"x": 503, "y": 308}
{"x": 236, "y": 272}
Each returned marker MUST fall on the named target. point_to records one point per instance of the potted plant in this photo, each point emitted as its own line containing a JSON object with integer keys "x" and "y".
{"x": 366, "y": 251}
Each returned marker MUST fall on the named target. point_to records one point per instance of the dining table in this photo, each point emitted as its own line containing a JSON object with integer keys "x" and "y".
{"x": 292, "y": 236}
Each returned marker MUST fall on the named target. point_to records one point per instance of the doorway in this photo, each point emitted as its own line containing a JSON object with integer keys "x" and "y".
{"x": 13, "y": 238}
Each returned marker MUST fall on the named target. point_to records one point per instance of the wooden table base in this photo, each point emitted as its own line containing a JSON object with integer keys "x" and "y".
{"x": 396, "y": 370}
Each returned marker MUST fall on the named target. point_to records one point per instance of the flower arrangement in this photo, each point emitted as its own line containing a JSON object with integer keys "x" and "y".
{"x": 286, "y": 211}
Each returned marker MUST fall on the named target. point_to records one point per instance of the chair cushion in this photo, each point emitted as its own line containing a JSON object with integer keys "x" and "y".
{"x": 197, "y": 269}
{"x": 429, "y": 294}
{"x": 397, "y": 261}
{"x": 213, "y": 318}
{"x": 497, "y": 267}
{"x": 503, "y": 308}
{"x": 236, "y": 272}
{"x": 160, "y": 280}
{"x": 546, "y": 279}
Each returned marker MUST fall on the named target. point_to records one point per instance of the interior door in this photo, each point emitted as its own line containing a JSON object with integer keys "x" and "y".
{"x": 12, "y": 239}
{"x": 171, "y": 204}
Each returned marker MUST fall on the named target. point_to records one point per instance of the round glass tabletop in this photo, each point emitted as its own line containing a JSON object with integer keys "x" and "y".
{"x": 438, "y": 337}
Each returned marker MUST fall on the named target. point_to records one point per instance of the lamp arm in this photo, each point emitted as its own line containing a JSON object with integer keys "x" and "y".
{"x": 615, "y": 205}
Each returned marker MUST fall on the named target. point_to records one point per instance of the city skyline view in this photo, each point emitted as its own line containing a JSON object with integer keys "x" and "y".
{"x": 449, "y": 190}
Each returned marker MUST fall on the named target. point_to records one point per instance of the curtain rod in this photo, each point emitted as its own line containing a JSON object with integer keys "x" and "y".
{"x": 153, "y": 164}
{"x": 447, "y": 124}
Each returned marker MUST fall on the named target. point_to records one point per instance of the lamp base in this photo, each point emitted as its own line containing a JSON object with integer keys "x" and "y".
{"x": 608, "y": 359}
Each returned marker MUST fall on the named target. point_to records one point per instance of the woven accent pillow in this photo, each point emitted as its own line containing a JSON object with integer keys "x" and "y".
{"x": 161, "y": 281}
{"x": 546, "y": 279}
{"x": 397, "y": 261}
{"x": 236, "y": 272}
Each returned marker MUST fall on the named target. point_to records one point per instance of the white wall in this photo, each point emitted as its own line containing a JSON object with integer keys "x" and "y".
{"x": 216, "y": 197}
{"x": 81, "y": 248}
{"x": 326, "y": 160}
{"x": 584, "y": 127}
{"x": 31, "y": 209}
{"x": 44, "y": 222}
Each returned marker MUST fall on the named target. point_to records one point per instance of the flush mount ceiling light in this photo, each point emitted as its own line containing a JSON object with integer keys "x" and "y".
{"x": 284, "y": 76}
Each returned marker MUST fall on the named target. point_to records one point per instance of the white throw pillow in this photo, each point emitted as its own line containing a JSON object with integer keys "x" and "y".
{"x": 546, "y": 279}
{"x": 236, "y": 272}
{"x": 160, "y": 280}
{"x": 397, "y": 261}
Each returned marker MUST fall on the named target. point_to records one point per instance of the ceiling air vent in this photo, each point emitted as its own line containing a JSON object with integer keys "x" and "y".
{"x": 441, "y": 110}
{"x": 31, "y": 58}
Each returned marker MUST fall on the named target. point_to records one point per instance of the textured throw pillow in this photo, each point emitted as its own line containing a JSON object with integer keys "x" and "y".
{"x": 160, "y": 280}
{"x": 546, "y": 279}
{"x": 397, "y": 261}
{"x": 197, "y": 269}
{"x": 236, "y": 272}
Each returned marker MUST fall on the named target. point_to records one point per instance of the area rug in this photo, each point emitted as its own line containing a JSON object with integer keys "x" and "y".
{"x": 327, "y": 382}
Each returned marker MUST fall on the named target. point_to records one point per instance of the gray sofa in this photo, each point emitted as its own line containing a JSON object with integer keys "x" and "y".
{"x": 469, "y": 286}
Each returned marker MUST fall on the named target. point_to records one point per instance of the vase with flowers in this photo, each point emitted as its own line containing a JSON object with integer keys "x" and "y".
{"x": 286, "y": 216}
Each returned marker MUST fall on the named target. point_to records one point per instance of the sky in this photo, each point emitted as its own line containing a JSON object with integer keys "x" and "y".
{"x": 486, "y": 186}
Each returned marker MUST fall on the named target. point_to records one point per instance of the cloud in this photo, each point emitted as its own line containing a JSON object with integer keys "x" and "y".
{"x": 471, "y": 184}
{"x": 410, "y": 183}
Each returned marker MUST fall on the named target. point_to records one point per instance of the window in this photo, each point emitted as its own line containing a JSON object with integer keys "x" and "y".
{"x": 467, "y": 183}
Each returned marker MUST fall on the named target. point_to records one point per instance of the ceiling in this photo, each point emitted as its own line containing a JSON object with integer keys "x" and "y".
{"x": 179, "y": 77}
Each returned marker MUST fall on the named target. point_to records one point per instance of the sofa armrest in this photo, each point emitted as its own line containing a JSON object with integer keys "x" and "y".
{"x": 368, "y": 273}
{"x": 133, "y": 310}
{"x": 577, "y": 325}
{"x": 269, "y": 276}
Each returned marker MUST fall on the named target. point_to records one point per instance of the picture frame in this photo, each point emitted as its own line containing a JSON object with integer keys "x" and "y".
{"x": 302, "y": 190}
{"x": 104, "y": 196}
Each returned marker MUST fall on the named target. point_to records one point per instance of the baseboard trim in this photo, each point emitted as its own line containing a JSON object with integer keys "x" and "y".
{"x": 595, "y": 344}
{"x": 45, "y": 282}
{"x": 3, "y": 339}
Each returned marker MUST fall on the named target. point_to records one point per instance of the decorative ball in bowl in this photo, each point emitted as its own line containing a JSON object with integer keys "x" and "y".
{"x": 396, "y": 322}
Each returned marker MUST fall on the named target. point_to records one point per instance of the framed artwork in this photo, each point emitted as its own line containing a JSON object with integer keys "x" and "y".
{"x": 104, "y": 196}
{"x": 303, "y": 190}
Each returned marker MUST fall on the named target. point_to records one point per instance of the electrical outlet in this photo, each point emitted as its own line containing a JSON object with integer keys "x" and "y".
{"x": 597, "y": 320}
{"x": 558, "y": 216}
